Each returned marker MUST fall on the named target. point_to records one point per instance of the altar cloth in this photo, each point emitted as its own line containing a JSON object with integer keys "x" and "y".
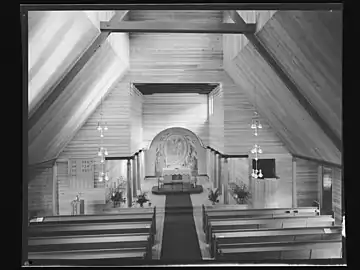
{"x": 172, "y": 171}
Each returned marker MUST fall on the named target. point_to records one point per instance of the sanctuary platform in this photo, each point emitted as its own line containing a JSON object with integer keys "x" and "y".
{"x": 185, "y": 188}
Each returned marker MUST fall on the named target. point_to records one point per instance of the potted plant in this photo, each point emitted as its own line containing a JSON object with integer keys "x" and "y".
{"x": 241, "y": 193}
{"x": 214, "y": 195}
{"x": 117, "y": 198}
{"x": 141, "y": 199}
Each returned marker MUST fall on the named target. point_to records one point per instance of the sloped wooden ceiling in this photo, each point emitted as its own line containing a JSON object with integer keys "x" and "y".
{"x": 308, "y": 45}
{"x": 57, "y": 39}
{"x": 253, "y": 75}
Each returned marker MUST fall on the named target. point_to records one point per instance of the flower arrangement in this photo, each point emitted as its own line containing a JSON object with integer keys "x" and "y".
{"x": 214, "y": 195}
{"x": 142, "y": 198}
{"x": 117, "y": 198}
{"x": 241, "y": 193}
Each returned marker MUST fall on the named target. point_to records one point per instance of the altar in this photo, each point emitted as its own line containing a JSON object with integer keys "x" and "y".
{"x": 176, "y": 171}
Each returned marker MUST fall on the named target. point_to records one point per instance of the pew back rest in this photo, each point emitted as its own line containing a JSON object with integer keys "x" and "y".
{"x": 298, "y": 250}
{"x": 273, "y": 235}
{"x": 74, "y": 229}
{"x": 277, "y": 232}
{"x": 88, "y": 242}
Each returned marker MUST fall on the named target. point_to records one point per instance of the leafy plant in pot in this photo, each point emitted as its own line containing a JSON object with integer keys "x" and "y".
{"x": 117, "y": 198}
{"x": 241, "y": 193}
{"x": 141, "y": 199}
{"x": 214, "y": 195}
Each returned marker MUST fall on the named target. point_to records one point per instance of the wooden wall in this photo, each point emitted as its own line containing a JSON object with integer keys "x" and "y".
{"x": 273, "y": 192}
{"x": 136, "y": 115}
{"x": 307, "y": 182}
{"x": 93, "y": 197}
{"x": 293, "y": 124}
{"x": 337, "y": 194}
{"x": 162, "y": 111}
{"x": 40, "y": 189}
{"x": 116, "y": 114}
{"x": 58, "y": 124}
{"x": 235, "y": 43}
{"x": 117, "y": 170}
{"x": 56, "y": 40}
{"x": 216, "y": 121}
{"x": 308, "y": 46}
{"x": 172, "y": 51}
{"x": 238, "y": 136}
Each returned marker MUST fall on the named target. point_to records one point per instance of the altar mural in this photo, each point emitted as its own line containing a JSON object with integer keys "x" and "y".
{"x": 176, "y": 151}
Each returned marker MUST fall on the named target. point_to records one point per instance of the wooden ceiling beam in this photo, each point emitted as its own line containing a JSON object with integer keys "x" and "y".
{"x": 176, "y": 27}
{"x": 54, "y": 93}
{"x": 319, "y": 161}
{"x": 193, "y": 6}
{"x": 285, "y": 78}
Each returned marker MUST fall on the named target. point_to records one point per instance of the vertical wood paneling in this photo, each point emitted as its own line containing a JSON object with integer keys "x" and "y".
{"x": 63, "y": 184}
{"x": 162, "y": 111}
{"x": 306, "y": 182}
{"x": 337, "y": 196}
{"x": 92, "y": 197}
{"x": 40, "y": 189}
{"x": 136, "y": 114}
{"x": 273, "y": 192}
{"x": 116, "y": 114}
{"x": 216, "y": 121}
{"x": 238, "y": 170}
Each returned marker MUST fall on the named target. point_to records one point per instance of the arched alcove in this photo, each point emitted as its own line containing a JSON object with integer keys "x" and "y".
{"x": 175, "y": 147}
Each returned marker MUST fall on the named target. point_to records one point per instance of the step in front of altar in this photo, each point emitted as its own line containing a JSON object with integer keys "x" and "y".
{"x": 177, "y": 189}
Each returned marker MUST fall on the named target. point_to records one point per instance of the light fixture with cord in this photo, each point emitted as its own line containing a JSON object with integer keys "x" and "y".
{"x": 256, "y": 150}
{"x": 102, "y": 152}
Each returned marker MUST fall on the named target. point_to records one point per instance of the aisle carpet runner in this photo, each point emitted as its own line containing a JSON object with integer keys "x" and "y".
{"x": 180, "y": 240}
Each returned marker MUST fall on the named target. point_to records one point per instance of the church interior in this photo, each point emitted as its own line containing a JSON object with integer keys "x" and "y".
{"x": 175, "y": 136}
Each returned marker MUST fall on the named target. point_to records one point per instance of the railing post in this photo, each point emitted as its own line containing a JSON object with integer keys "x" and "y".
{"x": 226, "y": 181}
{"x": 129, "y": 193}
{"x": 294, "y": 192}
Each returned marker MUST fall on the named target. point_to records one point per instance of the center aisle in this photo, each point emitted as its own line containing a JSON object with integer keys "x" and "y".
{"x": 180, "y": 240}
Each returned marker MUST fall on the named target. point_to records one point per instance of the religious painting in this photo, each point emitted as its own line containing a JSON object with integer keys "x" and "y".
{"x": 174, "y": 151}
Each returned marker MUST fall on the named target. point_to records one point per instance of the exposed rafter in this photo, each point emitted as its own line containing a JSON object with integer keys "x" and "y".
{"x": 291, "y": 86}
{"x": 176, "y": 27}
{"x": 321, "y": 162}
{"x": 54, "y": 93}
{"x": 195, "y": 6}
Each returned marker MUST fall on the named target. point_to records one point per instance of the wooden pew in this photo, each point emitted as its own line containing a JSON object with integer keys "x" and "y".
{"x": 232, "y": 212}
{"x": 303, "y": 250}
{"x": 92, "y": 229}
{"x": 227, "y": 225}
{"x": 123, "y": 244}
{"x": 238, "y": 239}
{"x": 133, "y": 215}
{"x": 87, "y": 257}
